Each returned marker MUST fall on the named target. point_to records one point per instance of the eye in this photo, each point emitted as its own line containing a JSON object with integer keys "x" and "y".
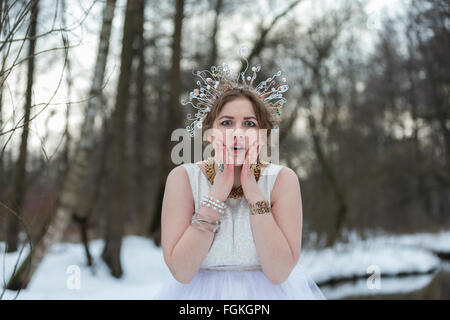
{"x": 223, "y": 122}
{"x": 250, "y": 123}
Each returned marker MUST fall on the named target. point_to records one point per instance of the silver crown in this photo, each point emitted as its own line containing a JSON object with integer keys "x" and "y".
{"x": 221, "y": 79}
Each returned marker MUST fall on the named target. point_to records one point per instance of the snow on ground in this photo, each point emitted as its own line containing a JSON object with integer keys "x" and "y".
{"x": 386, "y": 254}
{"x": 439, "y": 242}
{"x": 354, "y": 259}
{"x": 145, "y": 271}
{"x": 142, "y": 262}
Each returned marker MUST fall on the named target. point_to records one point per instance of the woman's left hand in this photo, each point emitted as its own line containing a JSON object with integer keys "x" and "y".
{"x": 250, "y": 187}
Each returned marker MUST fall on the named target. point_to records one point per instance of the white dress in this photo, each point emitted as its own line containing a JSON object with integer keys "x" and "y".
{"x": 232, "y": 270}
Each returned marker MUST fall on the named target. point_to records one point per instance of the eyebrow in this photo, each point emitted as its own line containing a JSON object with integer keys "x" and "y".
{"x": 230, "y": 117}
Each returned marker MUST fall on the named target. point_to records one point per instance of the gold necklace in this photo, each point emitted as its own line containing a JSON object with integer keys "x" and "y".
{"x": 235, "y": 192}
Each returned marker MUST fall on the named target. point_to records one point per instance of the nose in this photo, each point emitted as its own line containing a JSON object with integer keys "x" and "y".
{"x": 238, "y": 135}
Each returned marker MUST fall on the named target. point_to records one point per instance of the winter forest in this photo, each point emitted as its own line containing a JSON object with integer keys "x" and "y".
{"x": 90, "y": 94}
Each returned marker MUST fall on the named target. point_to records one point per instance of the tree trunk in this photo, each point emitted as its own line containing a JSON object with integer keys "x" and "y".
{"x": 140, "y": 122}
{"x": 20, "y": 184}
{"x": 86, "y": 210}
{"x": 2, "y": 167}
{"x": 1, "y": 16}
{"x": 342, "y": 209}
{"x": 422, "y": 189}
{"x": 76, "y": 173}
{"x": 69, "y": 81}
{"x": 213, "y": 55}
{"x": 173, "y": 120}
{"x": 116, "y": 219}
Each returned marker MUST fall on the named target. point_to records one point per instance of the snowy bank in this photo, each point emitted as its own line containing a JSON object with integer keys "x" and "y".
{"x": 359, "y": 260}
{"x": 143, "y": 267}
{"x": 145, "y": 271}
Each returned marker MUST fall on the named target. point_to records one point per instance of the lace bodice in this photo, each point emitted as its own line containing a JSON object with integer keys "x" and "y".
{"x": 233, "y": 247}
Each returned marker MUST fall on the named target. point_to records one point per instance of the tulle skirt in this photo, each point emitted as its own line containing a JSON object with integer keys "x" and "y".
{"x": 241, "y": 285}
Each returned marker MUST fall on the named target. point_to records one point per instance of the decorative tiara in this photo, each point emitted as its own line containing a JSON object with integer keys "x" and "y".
{"x": 221, "y": 79}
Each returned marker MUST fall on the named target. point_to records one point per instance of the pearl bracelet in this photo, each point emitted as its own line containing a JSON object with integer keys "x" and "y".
{"x": 217, "y": 205}
{"x": 216, "y": 202}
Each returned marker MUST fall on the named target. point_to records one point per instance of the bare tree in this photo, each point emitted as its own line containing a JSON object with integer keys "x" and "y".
{"x": 435, "y": 60}
{"x": 173, "y": 119}
{"x": 323, "y": 104}
{"x": 13, "y": 17}
{"x": 116, "y": 217}
{"x": 260, "y": 42}
{"x": 69, "y": 81}
{"x": 19, "y": 183}
{"x": 141, "y": 119}
{"x": 70, "y": 193}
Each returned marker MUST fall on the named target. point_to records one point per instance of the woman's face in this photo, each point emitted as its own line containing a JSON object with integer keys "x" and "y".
{"x": 237, "y": 129}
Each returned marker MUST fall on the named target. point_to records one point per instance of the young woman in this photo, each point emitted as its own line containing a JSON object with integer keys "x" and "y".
{"x": 232, "y": 224}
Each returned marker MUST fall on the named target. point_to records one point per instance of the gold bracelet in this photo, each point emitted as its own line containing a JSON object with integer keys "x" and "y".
{"x": 259, "y": 207}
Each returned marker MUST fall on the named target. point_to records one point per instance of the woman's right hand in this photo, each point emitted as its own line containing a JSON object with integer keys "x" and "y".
{"x": 223, "y": 181}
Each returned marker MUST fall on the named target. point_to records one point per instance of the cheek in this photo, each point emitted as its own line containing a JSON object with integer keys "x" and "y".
{"x": 222, "y": 135}
{"x": 252, "y": 136}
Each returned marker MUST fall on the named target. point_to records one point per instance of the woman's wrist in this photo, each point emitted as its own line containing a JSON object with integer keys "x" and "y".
{"x": 216, "y": 195}
{"x": 208, "y": 216}
{"x": 253, "y": 198}
{"x": 210, "y": 213}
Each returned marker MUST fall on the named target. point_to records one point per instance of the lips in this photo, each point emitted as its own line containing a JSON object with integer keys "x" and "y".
{"x": 236, "y": 148}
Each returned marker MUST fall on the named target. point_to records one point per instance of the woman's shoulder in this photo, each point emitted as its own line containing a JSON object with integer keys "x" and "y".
{"x": 286, "y": 174}
{"x": 182, "y": 170}
{"x": 177, "y": 172}
{"x": 286, "y": 178}
{"x": 178, "y": 182}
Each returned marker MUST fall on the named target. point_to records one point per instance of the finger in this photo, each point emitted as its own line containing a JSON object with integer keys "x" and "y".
{"x": 246, "y": 166}
{"x": 220, "y": 156}
{"x": 222, "y": 153}
{"x": 230, "y": 169}
{"x": 224, "y": 159}
{"x": 225, "y": 155}
{"x": 246, "y": 158}
{"x": 254, "y": 154}
{"x": 248, "y": 155}
{"x": 229, "y": 157}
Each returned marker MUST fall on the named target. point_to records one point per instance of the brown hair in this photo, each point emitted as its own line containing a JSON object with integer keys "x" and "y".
{"x": 263, "y": 111}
